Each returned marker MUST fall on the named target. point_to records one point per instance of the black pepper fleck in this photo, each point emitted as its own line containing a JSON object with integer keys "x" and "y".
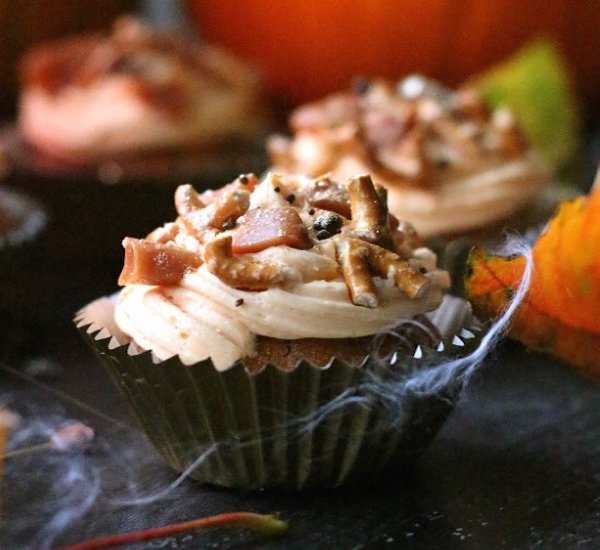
{"x": 311, "y": 212}
{"x": 422, "y": 270}
{"x": 239, "y": 302}
{"x": 443, "y": 163}
{"x": 291, "y": 198}
{"x": 276, "y": 189}
{"x": 330, "y": 222}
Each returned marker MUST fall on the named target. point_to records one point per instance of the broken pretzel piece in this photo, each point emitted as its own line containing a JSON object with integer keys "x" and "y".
{"x": 352, "y": 256}
{"x": 369, "y": 210}
{"x": 359, "y": 259}
{"x": 153, "y": 263}
{"x": 220, "y": 214}
{"x": 240, "y": 272}
{"x": 228, "y": 207}
{"x": 408, "y": 279}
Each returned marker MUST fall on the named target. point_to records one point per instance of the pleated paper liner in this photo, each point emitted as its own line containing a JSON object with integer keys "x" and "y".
{"x": 309, "y": 428}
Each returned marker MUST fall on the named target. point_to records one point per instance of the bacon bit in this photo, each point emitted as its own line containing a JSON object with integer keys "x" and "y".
{"x": 164, "y": 234}
{"x": 243, "y": 272}
{"x": 211, "y": 195}
{"x": 187, "y": 200}
{"x": 151, "y": 263}
{"x": 222, "y": 212}
{"x": 327, "y": 195}
{"x": 228, "y": 207}
{"x": 269, "y": 525}
{"x": 191, "y": 209}
{"x": 262, "y": 228}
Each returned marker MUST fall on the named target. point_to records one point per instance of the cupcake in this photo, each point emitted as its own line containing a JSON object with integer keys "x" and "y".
{"x": 116, "y": 101}
{"x": 241, "y": 322}
{"x": 449, "y": 164}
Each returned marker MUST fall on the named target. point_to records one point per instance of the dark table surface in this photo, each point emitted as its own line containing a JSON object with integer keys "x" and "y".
{"x": 517, "y": 465}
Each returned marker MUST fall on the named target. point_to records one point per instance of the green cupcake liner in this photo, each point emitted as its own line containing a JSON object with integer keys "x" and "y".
{"x": 309, "y": 428}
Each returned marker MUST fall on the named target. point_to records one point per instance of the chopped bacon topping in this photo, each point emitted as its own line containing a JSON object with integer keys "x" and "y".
{"x": 246, "y": 182}
{"x": 152, "y": 263}
{"x": 328, "y": 195}
{"x": 228, "y": 207}
{"x": 261, "y": 228}
{"x": 226, "y": 232}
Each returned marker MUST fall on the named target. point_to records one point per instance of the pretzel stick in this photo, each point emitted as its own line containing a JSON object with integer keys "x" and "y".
{"x": 408, "y": 279}
{"x": 352, "y": 256}
{"x": 240, "y": 272}
{"x": 369, "y": 213}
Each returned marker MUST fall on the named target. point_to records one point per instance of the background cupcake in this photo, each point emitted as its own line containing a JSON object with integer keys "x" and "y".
{"x": 449, "y": 164}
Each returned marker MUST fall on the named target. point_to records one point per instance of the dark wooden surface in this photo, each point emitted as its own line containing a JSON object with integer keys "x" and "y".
{"x": 516, "y": 466}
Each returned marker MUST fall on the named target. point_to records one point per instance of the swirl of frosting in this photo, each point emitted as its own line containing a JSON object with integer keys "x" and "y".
{"x": 203, "y": 316}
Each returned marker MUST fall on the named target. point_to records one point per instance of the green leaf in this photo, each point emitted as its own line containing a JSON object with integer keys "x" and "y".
{"x": 536, "y": 86}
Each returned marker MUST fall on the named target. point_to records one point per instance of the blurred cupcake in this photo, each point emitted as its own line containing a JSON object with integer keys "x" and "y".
{"x": 133, "y": 95}
{"x": 448, "y": 163}
{"x": 253, "y": 329}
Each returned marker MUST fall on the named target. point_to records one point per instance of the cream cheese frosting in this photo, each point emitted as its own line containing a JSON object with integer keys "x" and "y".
{"x": 203, "y": 316}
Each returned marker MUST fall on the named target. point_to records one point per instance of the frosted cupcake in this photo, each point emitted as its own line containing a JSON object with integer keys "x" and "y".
{"x": 448, "y": 163}
{"x": 267, "y": 299}
{"x": 96, "y": 98}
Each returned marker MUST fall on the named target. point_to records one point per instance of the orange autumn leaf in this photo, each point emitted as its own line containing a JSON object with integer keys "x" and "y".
{"x": 560, "y": 313}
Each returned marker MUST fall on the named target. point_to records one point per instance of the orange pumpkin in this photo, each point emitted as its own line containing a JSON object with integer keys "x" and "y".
{"x": 308, "y": 48}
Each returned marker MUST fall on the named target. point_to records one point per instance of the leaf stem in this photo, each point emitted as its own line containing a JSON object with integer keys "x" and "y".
{"x": 269, "y": 525}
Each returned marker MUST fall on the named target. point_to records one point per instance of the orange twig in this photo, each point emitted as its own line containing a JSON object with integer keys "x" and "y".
{"x": 267, "y": 524}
